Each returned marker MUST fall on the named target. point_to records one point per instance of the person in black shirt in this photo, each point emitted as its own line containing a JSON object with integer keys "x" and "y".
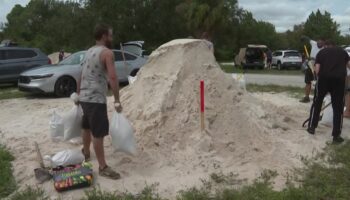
{"x": 331, "y": 64}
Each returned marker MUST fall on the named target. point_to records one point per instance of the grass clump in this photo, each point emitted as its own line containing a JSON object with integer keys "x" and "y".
{"x": 30, "y": 193}
{"x": 7, "y": 181}
{"x": 148, "y": 193}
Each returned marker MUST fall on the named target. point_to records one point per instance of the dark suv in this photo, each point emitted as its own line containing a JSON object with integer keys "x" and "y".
{"x": 15, "y": 60}
{"x": 251, "y": 57}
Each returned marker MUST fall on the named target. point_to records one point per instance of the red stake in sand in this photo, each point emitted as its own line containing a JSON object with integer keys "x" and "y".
{"x": 202, "y": 104}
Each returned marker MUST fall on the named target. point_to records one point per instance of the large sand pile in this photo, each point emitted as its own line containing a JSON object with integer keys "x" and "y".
{"x": 244, "y": 134}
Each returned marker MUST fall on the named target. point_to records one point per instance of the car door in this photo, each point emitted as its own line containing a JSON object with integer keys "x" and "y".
{"x": 123, "y": 68}
{"x": 2, "y": 65}
{"x": 274, "y": 58}
{"x": 11, "y": 68}
{"x": 18, "y": 61}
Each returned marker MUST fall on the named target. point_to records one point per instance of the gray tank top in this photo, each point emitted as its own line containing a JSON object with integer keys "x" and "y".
{"x": 94, "y": 84}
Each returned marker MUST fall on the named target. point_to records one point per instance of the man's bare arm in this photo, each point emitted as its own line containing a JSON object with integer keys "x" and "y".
{"x": 108, "y": 59}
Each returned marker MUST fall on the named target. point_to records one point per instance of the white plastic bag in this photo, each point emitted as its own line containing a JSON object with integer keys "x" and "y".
{"x": 327, "y": 118}
{"x": 72, "y": 123}
{"x": 240, "y": 78}
{"x": 67, "y": 157}
{"x": 122, "y": 134}
{"x": 56, "y": 126}
{"x": 132, "y": 79}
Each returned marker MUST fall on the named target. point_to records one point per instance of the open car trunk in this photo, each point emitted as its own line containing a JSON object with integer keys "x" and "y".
{"x": 134, "y": 47}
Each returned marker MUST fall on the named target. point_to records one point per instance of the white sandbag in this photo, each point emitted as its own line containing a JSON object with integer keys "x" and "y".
{"x": 327, "y": 118}
{"x": 240, "y": 78}
{"x": 132, "y": 79}
{"x": 76, "y": 141}
{"x": 122, "y": 134}
{"x": 56, "y": 126}
{"x": 72, "y": 123}
{"x": 67, "y": 157}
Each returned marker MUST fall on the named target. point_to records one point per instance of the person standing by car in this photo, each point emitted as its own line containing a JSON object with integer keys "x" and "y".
{"x": 61, "y": 55}
{"x": 309, "y": 72}
{"x": 98, "y": 68}
{"x": 269, "y": 59}
{"x": 331, "y": 64}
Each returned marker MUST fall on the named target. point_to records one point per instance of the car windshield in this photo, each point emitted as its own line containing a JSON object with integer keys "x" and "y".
{"x": 291, "y": 54}
{"x": 74, "y": 59}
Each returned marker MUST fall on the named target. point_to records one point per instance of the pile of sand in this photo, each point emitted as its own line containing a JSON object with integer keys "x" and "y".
{"x": 244, "y": 134}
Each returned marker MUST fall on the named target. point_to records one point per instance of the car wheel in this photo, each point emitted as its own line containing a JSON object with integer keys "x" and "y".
{"x": 65, "y": 86}
{"x": 279, "y": 66}
{"x": 134, "y": 72}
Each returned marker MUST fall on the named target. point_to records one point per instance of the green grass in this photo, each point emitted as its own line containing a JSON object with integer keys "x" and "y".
{"x": 295, "y": 92}
{"x": 232, "y": 69}
{"x": 324, "y": 177}
{"x": 7, "y": 181}
{"x": 10, "y": 92}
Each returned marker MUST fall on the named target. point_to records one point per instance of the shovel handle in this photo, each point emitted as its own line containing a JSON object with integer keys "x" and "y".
{"x": 39, "y": 156}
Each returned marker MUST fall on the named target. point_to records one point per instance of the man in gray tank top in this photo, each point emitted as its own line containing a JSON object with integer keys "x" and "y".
{"x": 97, "y": 71}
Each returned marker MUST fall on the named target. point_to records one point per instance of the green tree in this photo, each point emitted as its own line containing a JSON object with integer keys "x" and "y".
{"x": 321, "y": 26}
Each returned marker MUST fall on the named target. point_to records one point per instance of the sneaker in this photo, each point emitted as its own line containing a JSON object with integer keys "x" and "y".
{"x": 338, "y": 140}
{"x": 311, "y": 130}
{"x": 305, "y": 100}
{"x": 109, "y": 173}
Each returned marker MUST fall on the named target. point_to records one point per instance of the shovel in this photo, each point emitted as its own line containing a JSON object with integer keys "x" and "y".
{"x": 42, "y": 174}
{"x": 307, "y": 121}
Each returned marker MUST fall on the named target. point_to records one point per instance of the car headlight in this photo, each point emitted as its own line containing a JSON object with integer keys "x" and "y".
{"x": 41, "y": 76}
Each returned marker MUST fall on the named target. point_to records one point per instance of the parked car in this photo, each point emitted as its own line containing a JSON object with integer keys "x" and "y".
{"x": 62, "y": 79}
{"x": 252, "y": 57}
{"x": 15, "y": 60}
{"x": 284, "y": 59}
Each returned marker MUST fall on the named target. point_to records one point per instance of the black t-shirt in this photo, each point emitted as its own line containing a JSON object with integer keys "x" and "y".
{"x": 333, "y": 62}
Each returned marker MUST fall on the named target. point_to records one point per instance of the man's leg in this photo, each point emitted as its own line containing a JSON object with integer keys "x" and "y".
{"x": 86, "y": 142}
{"x": 99, "y": 151}
{"x": 321, "y": 90}
{"x": 308, "y": 80}
{"x": 347, "y": 99}
{"x": 347, "y": 111}
{"x": 307, "y": 90}
{"x": 337, "y": 94}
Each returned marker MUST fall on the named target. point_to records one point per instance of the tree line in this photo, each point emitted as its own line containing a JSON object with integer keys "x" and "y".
{"x": 52, "y": 25}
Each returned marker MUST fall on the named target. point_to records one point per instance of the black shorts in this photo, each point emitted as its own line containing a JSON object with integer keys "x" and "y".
{"x": 309, "y": 76}
{"x": 95, "y": 118}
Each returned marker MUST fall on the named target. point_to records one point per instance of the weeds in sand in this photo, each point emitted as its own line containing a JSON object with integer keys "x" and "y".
{"x": 30, "y": 193}
{"x": 148, "y": 193}
{"x": 7, "y": 181}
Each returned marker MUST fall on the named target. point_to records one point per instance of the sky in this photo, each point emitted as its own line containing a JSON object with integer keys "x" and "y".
{"x": 285, "y": 13}
{"x": 282, "y": 13}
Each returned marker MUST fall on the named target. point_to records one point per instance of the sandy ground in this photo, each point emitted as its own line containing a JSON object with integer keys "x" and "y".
{"x": 18, "y": 116}
{"x": 245, "y": 133}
